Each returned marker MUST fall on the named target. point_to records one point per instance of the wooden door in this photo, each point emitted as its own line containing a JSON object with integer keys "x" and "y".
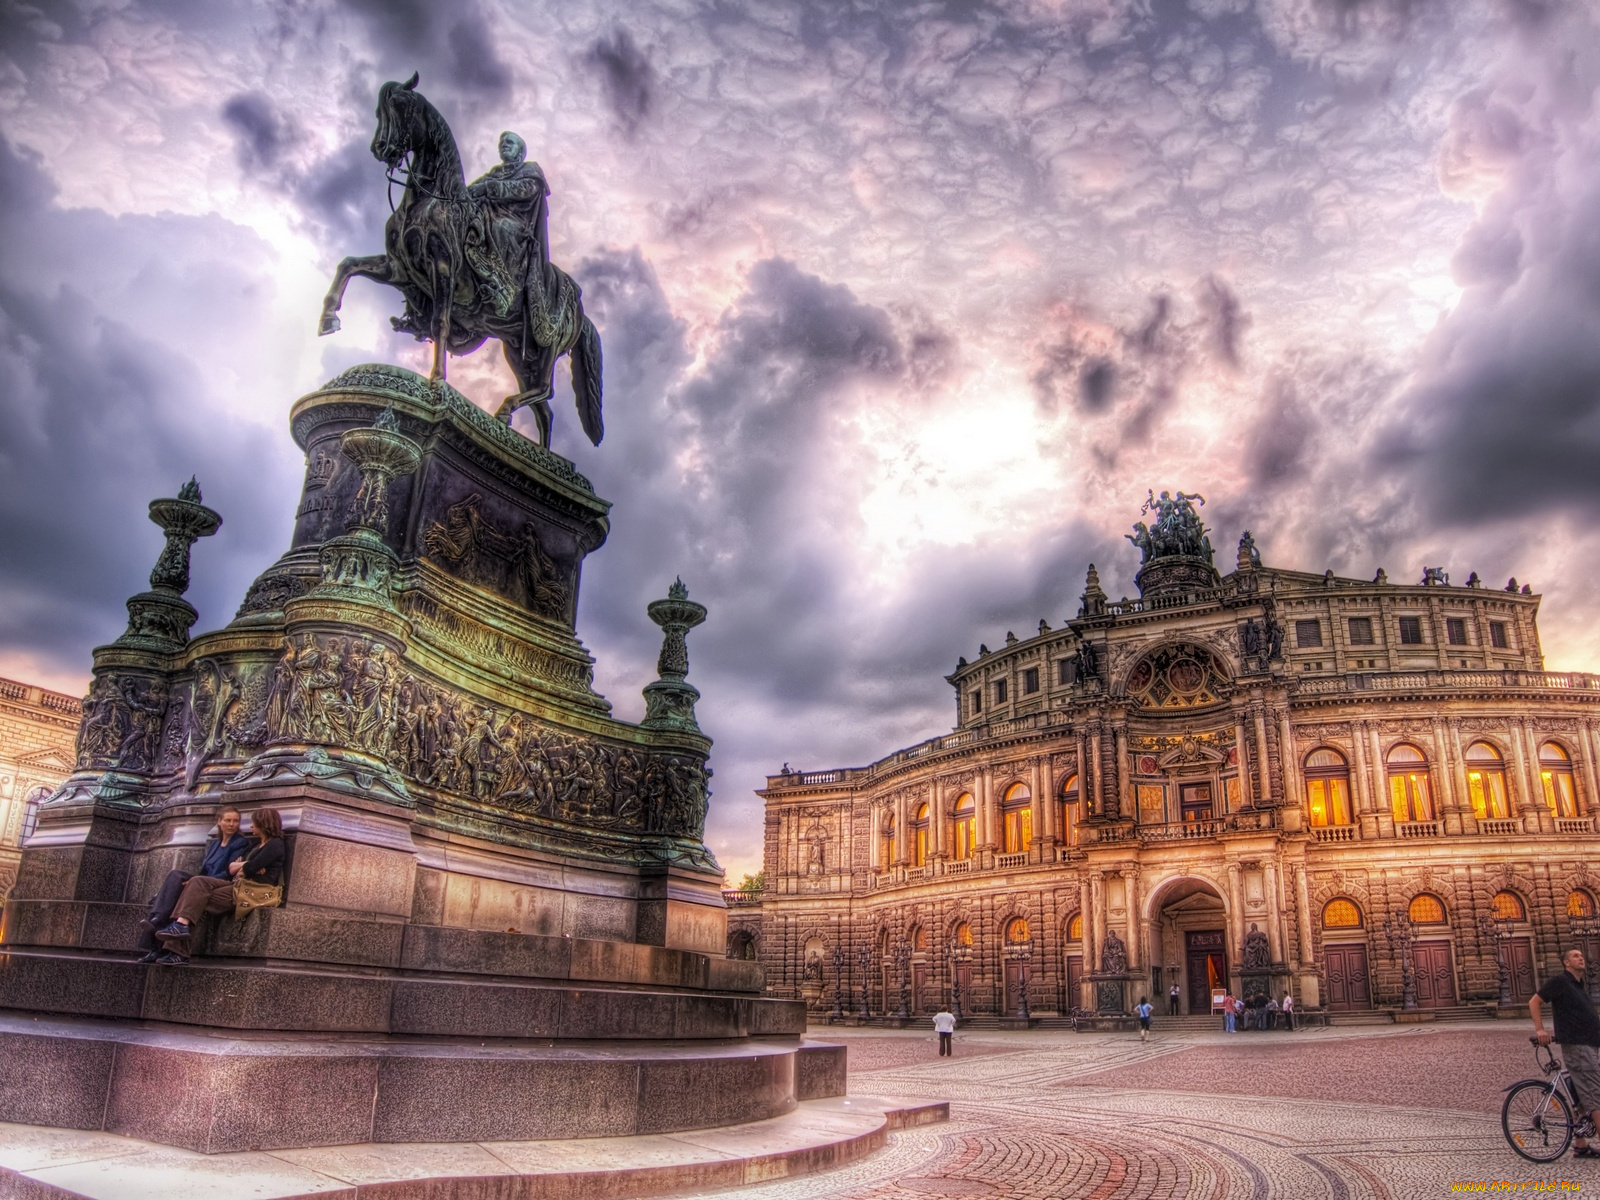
{"x": 1013, "y": 988}
{"x": 964, "y": 978}
{"x": 919, "y": 988}
{"x": 1436, "y": 975}
{"x": 1348, "y": 981}
{"x": 1519, "y": 961}
{"x": 1074, "y": 981}
{"x": 1207, "y": 966}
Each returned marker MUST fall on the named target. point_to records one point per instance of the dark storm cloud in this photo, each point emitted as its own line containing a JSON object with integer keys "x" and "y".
{"x": 261, "y": 133}
{"x": 452, "y": 45}
{"x": 105, "y": 413}
{"x": 1225, "y": 318}
{"x": 627, "y": 79}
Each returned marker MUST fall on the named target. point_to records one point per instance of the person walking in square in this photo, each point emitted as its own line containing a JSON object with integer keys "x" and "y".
{"x": 1287, "y": 1009}
{"x": 1143, "y": 1010}
{"x": 944, "y": 1024}
{"x": 1578, "y": 1034}
{"x": 1172, "y": 1001}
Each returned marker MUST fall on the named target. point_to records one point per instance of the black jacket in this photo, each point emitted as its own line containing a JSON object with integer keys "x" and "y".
{"x": 264, "y": 864}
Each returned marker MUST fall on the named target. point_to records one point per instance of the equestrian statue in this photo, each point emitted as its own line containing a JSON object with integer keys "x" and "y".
{"x": 473, "y": 261}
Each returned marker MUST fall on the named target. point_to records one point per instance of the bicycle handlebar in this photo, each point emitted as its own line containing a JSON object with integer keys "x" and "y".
{"x": 1547, "y": 1064}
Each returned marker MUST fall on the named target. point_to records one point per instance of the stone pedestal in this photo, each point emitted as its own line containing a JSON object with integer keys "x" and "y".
{"x": 477, "y": 849}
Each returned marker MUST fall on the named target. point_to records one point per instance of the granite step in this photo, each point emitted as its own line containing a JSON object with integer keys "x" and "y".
{"x": 213, "y": 1092}
{"x": 251, "y": 994}
{"x": 55, "y": 1164}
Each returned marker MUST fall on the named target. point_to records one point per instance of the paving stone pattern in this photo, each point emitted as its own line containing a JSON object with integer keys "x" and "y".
{"x": 1339, "y": 1114}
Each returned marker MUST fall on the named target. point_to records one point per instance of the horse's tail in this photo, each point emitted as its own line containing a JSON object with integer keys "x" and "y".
{"x": 586, "y": 380}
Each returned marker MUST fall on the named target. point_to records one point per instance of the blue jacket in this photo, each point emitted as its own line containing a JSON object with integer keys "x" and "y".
{"x": 219, "y": 855}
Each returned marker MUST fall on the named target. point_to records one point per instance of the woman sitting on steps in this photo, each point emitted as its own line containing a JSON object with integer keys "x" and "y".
{"x": 203, "y": 894}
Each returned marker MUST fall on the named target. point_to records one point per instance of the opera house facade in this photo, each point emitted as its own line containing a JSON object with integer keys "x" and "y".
{"x": 1370, "y": 793}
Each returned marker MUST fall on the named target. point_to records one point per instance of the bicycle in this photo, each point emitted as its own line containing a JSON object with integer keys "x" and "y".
{"x": 1537, "y": 1114}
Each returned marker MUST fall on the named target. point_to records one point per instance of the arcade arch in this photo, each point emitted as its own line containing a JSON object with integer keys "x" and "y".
{"x": 1190, "y": 942}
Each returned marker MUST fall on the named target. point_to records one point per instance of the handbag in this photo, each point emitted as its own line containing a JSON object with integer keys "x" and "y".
{"x": 249, "y": 894}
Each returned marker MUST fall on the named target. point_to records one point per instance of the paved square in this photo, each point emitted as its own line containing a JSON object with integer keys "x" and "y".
{"x": 1328, "y": 1114}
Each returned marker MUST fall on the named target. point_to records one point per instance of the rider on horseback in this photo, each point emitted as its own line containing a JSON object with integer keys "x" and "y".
{"x": 507, "y": 242}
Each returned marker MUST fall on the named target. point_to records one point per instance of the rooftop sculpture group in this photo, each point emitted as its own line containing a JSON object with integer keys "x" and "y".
{"x": 473, "y": 261}
{"x": 1177, "y": 529}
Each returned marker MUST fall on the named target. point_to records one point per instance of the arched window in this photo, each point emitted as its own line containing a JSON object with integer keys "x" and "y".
{"x": 1555, "y": 772}
{"x": 919, "y": 837}
{"x": 1410, "y": 795}
{"x": 1068, "y": 799}
{"x": 886, "y": 849}
{"x": 919, "y": 940}
{"x": 964, "y": 827}
{"x": 1016, "y": 819}
{"x": 1328, "y": 787}
{"x": 1580, "y": 903}
{"x": 743, "y": 945}
{"x": 1486, "y": 781}
{"x": 30, "y": 812}
{"x": 962, "y": 936}
{"x": 1341, "y": 914}
{"x": 1017, "y": 931}
{"x": 1075, "y": 928}
{"x": 1508, "y": 907}
{"x": 1426, "y": 910}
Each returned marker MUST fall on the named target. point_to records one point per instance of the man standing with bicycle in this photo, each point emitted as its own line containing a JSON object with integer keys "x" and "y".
{"x": 1577, "y": 1031}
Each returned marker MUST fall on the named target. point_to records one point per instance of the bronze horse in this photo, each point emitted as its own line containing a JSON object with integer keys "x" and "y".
{"x": 429, "y": 244}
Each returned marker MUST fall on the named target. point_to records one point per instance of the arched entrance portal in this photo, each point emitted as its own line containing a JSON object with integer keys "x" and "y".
{"x": 1190, "y": 939}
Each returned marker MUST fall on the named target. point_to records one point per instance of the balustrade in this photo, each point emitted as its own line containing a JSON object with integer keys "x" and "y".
{"x": 958, "y": 866}
{"x": 1334, "y": 833}
{"x": 1005, "y": 861}
{"x": 1499, "y": 826}
{"x": 1417, "y": 829}
{"x": 1574, "y": 824}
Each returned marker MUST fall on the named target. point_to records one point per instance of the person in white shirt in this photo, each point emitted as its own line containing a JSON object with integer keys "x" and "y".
{"x": 944, "y": 1024}
{"x": 1287, "y": 1008}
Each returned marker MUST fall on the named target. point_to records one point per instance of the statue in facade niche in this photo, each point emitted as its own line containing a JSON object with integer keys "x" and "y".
{"x": 473, "y": 262}
{"x": 1257, "y": 950}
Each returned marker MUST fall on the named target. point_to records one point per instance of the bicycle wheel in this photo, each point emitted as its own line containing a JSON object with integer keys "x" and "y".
{"x": 1537, "y": 1121}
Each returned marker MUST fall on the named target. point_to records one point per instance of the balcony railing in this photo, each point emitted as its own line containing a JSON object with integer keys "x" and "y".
{"x": 1499, "y": 826}
{"x": 1334, "y": 833}
{"x": 1177, "y": 831}
{"x": 734, "y": 898}
{"x": 1417, "y": 829}
{"x": 1574, "y": 824}
{"x": 958, "y": 866}
{"x": 1006, "y": 861}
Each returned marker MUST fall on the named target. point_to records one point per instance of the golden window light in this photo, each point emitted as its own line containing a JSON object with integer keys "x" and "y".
{"x": 1427, "y": 910}
{"x": 1508, "y": 907}
{"x": 1341, "y": 914}
{"x": 1580, "y": 903}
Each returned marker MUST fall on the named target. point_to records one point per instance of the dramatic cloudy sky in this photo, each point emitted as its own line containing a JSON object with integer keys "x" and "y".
{"x": 904, "y": 307}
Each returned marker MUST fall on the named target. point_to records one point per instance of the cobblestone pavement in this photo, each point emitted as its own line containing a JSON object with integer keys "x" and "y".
{"x": 1337, "y": 1114}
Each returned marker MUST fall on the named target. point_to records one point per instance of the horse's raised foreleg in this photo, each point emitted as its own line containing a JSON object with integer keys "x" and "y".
{"x": 374, "y": 266}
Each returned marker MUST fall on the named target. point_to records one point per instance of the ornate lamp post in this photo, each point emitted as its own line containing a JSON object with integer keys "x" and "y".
{"x": 1584, "y": 931}
{"x": 160, "y": 618}
{"x": 902, "y": 966}
{"x": 1499, "y": 929}
{"x": 864, "y": 961}
{"x": 1025, "y": 955}
{"x": 838, "y": 983}
{"x": 1401, "y": 935}
{"x": 958, "y": 955}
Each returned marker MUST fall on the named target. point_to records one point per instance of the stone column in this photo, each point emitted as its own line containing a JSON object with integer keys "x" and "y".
{"x": 1094, "y": 761}
{"x": 1302, "y": 900}
{"x": 1265, "y": 759}
{"x": 902, "y": 830}
{"x": 1125, "y": 805}
{"x": 1079, "y": 745}
{"x": 940, "y": 834}
{"x": 1097, "y": 888}
{"x": 1130, "y": 893}
{"x": 1086, "y": 907}
{"x": 991, "y": 815}
{"x": 1469, "y": 821}
{"x": 1235, "y": 914}
{"x": 1385, "y": 810}
{"x": 1536, "y": 808}
{"x": 1293, "y": 792}
{"x": 1038, "y": 806}
{"x": 1246, "y": 791}
{"x": 1052, "y": 810}
{"x": 1587, "y": 802}
{"x": 1269, "y": 884}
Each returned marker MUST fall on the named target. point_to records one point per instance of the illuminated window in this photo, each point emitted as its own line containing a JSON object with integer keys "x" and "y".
{"x": 1486, "y": 781}
{"x": 963, "y": 934}
{"x": 919, "y": 837}
{"x": 1455, "y": 629}
{"x": 1508, "y": 907}
{"x": 1410, "y": 795}
{"x": 1361, "y": 631}
{"x": 964, "y": 827}
{"x": 1580, "y": 903}
{"x": 1497, "y": 635}
{"x": 1328, "y": 787}
{"x": 1341, "y": 914}
{"x": 1555, "y": 772}
{"x": 1075, "y": 927}
{"x": 1427, "y": 910}
{"x": 1030, "y": 681}
{"x": 1016, "y": 819}
{"x": 1308, "y": 633}
{"x": 1017, "y": 931}
{"x": 1069, "y": 810}
{"x": 886, "y": 852}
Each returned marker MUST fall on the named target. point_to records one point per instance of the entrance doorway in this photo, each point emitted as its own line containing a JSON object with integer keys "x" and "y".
{"x": 1207, "y": 966}
{"x": 1349, "y": 986}
{"x": 1074, "y": 981}
{"x": 1519, "y": 961}
{"x": 1013, "y": 987}
{"x": 919, "y": 987}
{"x": 1436, "y": 975}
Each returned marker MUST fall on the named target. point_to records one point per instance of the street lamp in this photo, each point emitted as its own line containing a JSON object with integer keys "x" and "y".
{"x": 958, "y": 956}
{"x": 1025, "y": 954}
{"x": 864, "y": 961}
{"x": 838, "y": 983}
{"x": 902, "y": 963}
{"x": 1401, "y": 935}
{"x": 1585, "y": 930}
{"x": 1499, "y": 929}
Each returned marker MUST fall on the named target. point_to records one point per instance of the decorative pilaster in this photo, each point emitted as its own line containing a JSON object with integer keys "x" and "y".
{"x": 160, "y": 619}
{"x": 669, "y": 701}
